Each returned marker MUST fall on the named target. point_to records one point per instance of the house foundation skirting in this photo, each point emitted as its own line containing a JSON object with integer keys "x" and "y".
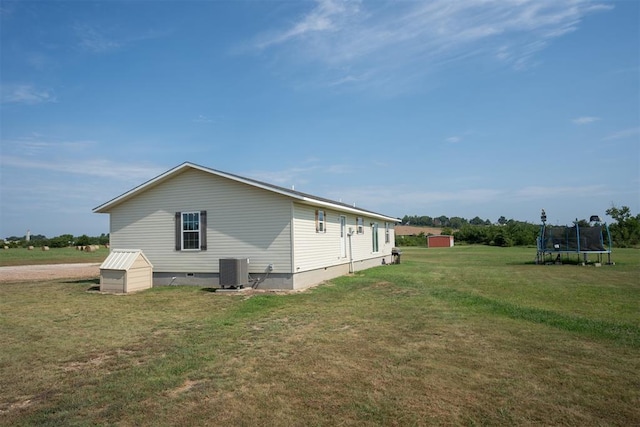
{"x": 310, "y": 278}
{"x": 300, "y": 280}
{"x": 262, "y": 280}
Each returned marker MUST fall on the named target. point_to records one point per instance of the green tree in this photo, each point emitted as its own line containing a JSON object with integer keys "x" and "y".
{"x": 441, "y": 221}
{"x": 473, "y": 234}
{"x": 477, "y": 221}
{"x": 501, "y": 239}
{"x": 61, "y": 241}
{"x": 457, "y": 222}
{"x": 626, "y": 230}
{"x": 446, "y": 231}
{"x": 83, "y": 240}
{"x": 521, "y": 233}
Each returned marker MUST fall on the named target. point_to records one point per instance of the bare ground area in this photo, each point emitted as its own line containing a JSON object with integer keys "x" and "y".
{"x": 27, "y": 273}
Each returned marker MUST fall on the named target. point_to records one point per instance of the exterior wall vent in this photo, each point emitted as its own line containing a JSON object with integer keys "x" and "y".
{"x": 234, "y": 272}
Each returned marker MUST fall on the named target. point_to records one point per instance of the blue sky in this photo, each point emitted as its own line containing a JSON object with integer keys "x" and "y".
{"x": 467, "y": 108}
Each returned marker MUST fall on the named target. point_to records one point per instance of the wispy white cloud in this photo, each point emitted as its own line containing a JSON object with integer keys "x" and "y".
{"x": 73, "y": 157}
{"x": 328, "y": 15}
{"x": 584, "y": 120}
{"x": 99, "y": 40}
{"x": 299, "y": 176}
{"x": 454, "y": 139}
{"x": 348, "y": 79}
{"x": 625, "y": 133}
{"x": 547, "y": 192}
{"x": 102, "y": 168}
{"x": 379, "y": 197}
{"x": 285, "y": 177}
{"x": 624, "y": 70}
{"x": 95, "y": 40}
{"x": 394, "y": 40}
{"x": 37, "y": 144}
{"x": 26, "y": 94}
{"x": 202, "y": 119}
{"x": 6, "y": 9}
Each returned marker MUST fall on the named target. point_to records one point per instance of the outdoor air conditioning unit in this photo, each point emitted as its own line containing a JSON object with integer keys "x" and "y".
{"x": 234, "y": 272}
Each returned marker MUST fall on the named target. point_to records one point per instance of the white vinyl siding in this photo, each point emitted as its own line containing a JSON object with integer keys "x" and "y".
{"x": 242, "y": 222}
{"x": 313, "y": 249}
{"x": 318, "y": 250}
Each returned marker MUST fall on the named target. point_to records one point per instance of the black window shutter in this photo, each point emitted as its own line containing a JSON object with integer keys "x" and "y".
{"x": 178, "y": 228}
{"x": 203, "y": 230}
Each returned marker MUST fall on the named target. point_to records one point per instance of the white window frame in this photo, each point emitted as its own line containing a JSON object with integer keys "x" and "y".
{"x": 321, "y": 221}
{"x": 374, "y": 238}
{"x": 387, "y": 234}
{"x": 183, "y": 231}
{"x": 359, "y": 225}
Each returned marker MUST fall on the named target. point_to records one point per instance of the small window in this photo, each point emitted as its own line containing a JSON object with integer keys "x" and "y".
{"x": 321, "y": 222}
{"x": 387, "y": 233}
{"x": 359, "y": 225}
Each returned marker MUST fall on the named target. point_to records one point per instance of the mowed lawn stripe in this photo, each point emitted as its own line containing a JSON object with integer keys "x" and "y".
{"x": 618, "y": 332}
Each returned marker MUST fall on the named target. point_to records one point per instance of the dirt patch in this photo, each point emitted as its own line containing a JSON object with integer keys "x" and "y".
{"x": 185, "y": 387}
{"x": 30, "y": 273}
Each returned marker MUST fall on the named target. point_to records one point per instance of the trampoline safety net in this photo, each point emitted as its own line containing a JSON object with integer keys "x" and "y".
{"x": 572, "y": 239}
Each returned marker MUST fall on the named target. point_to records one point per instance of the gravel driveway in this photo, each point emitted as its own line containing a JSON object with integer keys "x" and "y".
{"x": 27, "y": 273}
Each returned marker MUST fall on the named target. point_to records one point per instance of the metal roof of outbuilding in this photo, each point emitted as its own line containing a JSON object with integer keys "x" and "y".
{"x": 123, "y": 259}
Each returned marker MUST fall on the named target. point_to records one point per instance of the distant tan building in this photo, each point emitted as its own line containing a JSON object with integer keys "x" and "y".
{"x": 411, "y": 230}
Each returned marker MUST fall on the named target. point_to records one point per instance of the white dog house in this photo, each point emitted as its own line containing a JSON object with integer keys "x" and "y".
{"x": 126, "y": 270}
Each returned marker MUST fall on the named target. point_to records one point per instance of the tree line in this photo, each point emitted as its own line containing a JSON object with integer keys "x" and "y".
{"x": 625, "y": 230}
{"x": 62, "y": 241}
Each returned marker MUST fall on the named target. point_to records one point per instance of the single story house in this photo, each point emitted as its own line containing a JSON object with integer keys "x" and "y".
{"x": 189, "y": 218}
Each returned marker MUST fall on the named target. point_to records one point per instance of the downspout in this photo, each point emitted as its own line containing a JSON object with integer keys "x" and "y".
{"x": 349, "y": 234}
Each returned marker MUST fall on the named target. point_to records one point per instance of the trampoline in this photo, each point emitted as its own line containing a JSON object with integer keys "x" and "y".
{"x": 556, "y": 242}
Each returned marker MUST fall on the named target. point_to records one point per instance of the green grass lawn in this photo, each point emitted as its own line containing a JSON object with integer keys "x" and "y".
{"x": 470, "y": 335}
{"x": 23, "y": 256}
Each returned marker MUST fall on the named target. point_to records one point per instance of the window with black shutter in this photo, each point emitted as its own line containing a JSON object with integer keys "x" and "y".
{"x": 191, "y": 231}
